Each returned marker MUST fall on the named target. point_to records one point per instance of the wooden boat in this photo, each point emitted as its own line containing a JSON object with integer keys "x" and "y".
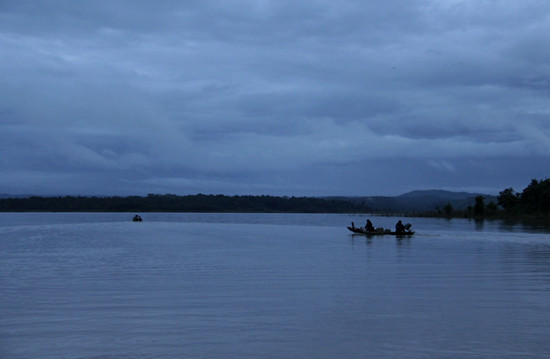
{"x": 361, "y": 230}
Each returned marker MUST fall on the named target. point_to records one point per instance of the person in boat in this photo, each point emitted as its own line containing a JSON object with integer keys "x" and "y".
{"x": 137, "y": 218}
{"x": 399, "y": 227}
{"x": 352, "y": 225}
{"x": 369, "y": 227}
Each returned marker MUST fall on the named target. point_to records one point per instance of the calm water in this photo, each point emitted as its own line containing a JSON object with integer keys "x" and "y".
{"x": 269, "y": 286}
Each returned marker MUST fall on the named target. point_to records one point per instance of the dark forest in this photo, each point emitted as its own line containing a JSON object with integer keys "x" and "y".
{"x": 175, "y": 203}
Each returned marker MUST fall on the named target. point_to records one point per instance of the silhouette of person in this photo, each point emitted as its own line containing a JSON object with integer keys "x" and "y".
{"x": 369, "y": 227}
{"x": 399, "y": 227}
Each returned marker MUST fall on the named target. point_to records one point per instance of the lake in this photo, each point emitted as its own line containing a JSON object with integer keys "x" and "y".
{"x": 96, "y": 285}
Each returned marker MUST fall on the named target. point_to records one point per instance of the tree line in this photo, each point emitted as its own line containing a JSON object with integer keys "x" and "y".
{"x": 176, "y": 203}
{"x": 533, "y": 201}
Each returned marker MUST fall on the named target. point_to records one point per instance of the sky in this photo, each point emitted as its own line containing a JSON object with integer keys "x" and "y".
{"x": 286, "y": 98}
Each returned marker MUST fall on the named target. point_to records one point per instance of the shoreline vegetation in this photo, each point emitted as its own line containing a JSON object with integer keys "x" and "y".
{"x": 533, "y": 203}
{"x": 174, "y": 203}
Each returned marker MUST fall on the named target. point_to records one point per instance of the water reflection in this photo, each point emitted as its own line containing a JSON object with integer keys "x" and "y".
{"x": 400, "y": 241}
{"x": 403, "y": 246}
{"x": 479, "y": 224}
{"x": 359, "y": 238}
{"x": 496, "y": 225}
{"x": 535, "y": 225}
{"x": 403, "y": 241}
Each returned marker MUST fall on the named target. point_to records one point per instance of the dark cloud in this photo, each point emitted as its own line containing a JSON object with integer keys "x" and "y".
{"x": 276, "y": 97}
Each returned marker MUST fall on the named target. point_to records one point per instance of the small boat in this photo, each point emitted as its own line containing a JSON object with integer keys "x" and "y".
{"x": 362, "y": 230}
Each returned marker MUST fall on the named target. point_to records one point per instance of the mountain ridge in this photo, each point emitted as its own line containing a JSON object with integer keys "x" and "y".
{"x": 419, "y": 201}
{"x": 440, "y": 193}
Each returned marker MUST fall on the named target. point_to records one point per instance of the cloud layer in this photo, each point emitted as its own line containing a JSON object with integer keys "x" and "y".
{"x": 273, "y": 97}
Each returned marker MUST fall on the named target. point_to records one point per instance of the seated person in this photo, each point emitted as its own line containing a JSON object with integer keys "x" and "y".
{"x": 399, "y": 227}
{"x": 369, "y": 227}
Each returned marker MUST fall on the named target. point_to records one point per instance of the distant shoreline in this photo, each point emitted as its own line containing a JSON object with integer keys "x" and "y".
{"x": 533, "y": 204}
{"x": 181, "y": 204}
{"x": 409, "y": 203}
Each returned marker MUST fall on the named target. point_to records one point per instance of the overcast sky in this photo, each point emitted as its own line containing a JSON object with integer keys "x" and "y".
{"x": 302, "y": 98}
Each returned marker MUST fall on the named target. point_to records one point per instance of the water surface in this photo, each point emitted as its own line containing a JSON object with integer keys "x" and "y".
{"x": 269, "y": 286}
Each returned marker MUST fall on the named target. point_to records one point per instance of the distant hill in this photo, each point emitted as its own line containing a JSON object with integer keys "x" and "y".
{"x": 435, "y": 193}
{"x": 419, "y": 201}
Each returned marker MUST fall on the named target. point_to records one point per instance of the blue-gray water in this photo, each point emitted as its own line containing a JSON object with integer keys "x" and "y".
{"x": 269, "y": 286}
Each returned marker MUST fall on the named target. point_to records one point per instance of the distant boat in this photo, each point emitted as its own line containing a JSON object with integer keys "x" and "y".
{"x": 362, "y": 230}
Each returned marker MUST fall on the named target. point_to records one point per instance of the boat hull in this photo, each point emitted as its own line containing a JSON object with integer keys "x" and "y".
{"x": 360, "y": 230}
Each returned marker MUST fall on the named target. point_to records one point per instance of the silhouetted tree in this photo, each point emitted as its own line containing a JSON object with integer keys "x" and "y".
{"x": 491, "y": 208}
{"x": 535, "y": 198}
{"x": 479, "y": 206}
{"x": 448, "y": 209}
{"x": 508, "y": 199}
